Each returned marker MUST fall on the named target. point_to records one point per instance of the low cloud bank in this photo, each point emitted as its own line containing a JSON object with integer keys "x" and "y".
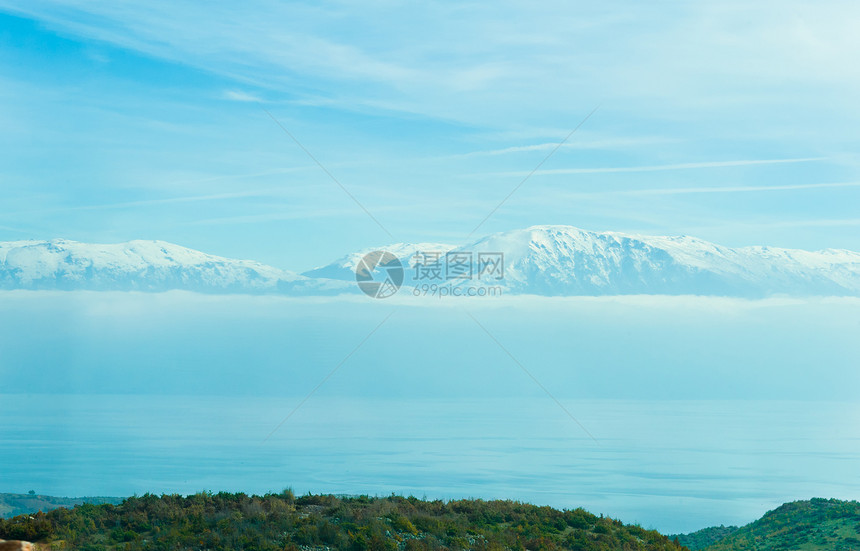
{"x": 612, "y": 347}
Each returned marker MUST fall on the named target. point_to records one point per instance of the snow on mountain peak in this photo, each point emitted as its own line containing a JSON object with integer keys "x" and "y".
{"x": 564, "y": 260}
{"x": 134, "y": 265}
{"x": 344, "y": 267}
{"x": 542, "y": 260}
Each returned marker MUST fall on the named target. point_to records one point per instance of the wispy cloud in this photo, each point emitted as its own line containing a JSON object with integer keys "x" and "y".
{"x": 716, "y": 189}
{"x": 810, "y": 223}
{"x": 582, "y": 143}
{"x": 263, "y": 192}
{"x": 304, "y": 213}
{"x": 269, "y": 192}
{"x": 16, "y": 230}
{"x": 757, "y": 84}
{"x": 465, "y": 60}
{"x": 238, "y": 95}
{"x": 657, "y": 168}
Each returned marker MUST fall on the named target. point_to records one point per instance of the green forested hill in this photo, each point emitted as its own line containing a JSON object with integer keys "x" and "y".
{"x": 21, "y": 504}
{"x": 283, "y": 522}
{"x": 817, "y": 524}
{"x": 706, "y": 536}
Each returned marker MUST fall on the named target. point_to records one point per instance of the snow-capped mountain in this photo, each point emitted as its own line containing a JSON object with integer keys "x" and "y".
{"x": 344, "y": 267}
{"x": 141, "y": 266}
{"x": 541, "y": 260}
{"x": 563, "y": 260}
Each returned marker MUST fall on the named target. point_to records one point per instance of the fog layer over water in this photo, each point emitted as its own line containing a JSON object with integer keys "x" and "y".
{"x": 703, "y": 411}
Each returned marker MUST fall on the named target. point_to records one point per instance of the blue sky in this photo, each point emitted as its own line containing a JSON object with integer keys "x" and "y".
{"x": 148, "y": 120}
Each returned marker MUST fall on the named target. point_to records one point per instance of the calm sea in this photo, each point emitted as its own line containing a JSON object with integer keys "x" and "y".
{"x": 669, "y": 465}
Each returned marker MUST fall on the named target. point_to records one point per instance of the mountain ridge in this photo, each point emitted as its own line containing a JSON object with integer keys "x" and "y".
{"x": 25, "y": 504}
{"x": 278, "y": 522}
{"x": 141, "y": 265}
{"x": 548, "y": 260}
{"x": 324, "y": 521}
{"x": 556, "y": 260}
{"x": 817, "y": 524}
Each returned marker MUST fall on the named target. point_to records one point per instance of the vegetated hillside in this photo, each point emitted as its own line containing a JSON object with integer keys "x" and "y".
{"x": 283, "y": 522}
{"x": 706, "y": 536}
{"x": 23, "y": 504}
{"x": 817, "y": 524}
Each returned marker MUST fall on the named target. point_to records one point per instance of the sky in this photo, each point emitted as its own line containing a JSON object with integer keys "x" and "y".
{"x": 291, "y": 133}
